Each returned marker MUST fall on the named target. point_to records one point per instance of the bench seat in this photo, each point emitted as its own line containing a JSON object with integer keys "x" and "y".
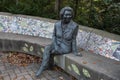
{"x": 90, "y": 66}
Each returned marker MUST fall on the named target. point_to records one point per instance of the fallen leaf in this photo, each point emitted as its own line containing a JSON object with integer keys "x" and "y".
{"x": 84, "y": 62}
{"x": 61, "y": 78}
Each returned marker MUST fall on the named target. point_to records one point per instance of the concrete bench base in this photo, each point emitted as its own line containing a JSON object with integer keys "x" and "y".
{"x": 89, "y": 67}
{"x": 22, "y": 43}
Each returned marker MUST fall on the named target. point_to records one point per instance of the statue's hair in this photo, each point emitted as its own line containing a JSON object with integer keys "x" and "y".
{"x": 66, "y": 9}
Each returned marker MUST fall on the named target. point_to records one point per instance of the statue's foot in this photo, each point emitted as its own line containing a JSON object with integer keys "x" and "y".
{"x": 38, "y": 74}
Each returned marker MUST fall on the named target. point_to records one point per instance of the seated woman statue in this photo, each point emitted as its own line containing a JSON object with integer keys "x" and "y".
{"x": 64, "y": 38}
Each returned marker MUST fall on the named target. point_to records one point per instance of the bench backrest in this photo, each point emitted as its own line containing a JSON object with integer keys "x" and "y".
{"x": 92, "y": 40}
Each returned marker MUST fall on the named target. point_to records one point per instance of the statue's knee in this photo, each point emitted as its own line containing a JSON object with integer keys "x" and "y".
{"x": 47, "y": 48}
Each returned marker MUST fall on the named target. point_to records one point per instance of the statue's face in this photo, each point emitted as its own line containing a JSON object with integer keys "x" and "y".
{"x": 67, "y": 16}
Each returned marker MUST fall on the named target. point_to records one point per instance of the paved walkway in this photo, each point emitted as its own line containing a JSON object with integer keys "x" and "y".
{"x": 12, "y": 72}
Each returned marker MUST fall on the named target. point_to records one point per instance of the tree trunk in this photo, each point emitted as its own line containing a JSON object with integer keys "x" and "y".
{"x": 17, "y": 2}
{"x": 76, "y": 7}
{"x": 57, "y": 6}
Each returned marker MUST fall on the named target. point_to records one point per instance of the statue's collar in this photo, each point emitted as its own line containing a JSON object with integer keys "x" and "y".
{"x": 69, "y": 24}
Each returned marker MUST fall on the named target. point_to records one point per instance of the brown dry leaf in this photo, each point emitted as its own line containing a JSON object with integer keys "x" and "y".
{"x": 84, "y": 62}
{"x": 15, "y": 78}
{"x": 21, "y": 59}
{"x": 57, "y": 68}
{"x": 94, "y": 62}
{"x": 61, "y": 78}
{"x": 4, "y": 60}
{"x": 117, "y": 63}
{"x": 1, "y": 77}
{"x": 80, "y": 49}
{"x": 23, "y": 78}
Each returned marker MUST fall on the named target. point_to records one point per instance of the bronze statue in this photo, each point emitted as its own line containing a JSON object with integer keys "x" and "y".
{"x": 64, "y": 39}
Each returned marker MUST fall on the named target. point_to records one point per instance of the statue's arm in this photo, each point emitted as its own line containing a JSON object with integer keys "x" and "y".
{"x": 74, "y": 44}
{"x": 54, "y": 38}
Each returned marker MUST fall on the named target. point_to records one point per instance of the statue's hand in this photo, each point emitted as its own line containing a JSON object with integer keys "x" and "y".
{"x": 78, "y": 54}
{"x": 56, "y": 48}
{"x": 53, "y": 51}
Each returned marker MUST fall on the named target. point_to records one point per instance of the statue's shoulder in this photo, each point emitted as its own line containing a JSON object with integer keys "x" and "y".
{"x": 57, "y": 23}
{"x": 74, "y": 24}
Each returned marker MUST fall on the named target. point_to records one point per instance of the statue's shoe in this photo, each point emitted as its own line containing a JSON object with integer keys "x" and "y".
{"x": 38, "y": 73}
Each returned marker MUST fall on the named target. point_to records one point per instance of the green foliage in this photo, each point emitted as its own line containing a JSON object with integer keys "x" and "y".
{"x": 111, "y": 18}
{"x": 31, "y": 7}
{"x": 100, "y": 14}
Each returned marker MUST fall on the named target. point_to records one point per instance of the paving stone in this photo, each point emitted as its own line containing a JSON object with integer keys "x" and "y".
{"x": 2, "y": 68}
{"x": 22, "y": 69}
{"x": 6, "y": 71}
{"x": 28, "y": 69}
{"x": 0, "y": 72}
{"x": 7, "y": 65}
{"x": 20, "y": 78}
{"x": 1, "y": 63}
{"x": 32, "y": 74}
{"x": 10, "y": 67}
{"x": 37, "y": 79}
{"x": 47, "y": 75}
{"x": 12, "y": 75}
{"x": 6, "y": 77}
{"x": 22, "y": 74}
{"x": 28, "y": 77}
{"x": 12, "y": 72}
{"x": 5, "y": 74}
{"x": 34, "y": 69}
{"x": 17, "y": 71}
{"x": 1, "y": 77}
{"x": 43, "y": 78}
{"x": 53, "y": 74}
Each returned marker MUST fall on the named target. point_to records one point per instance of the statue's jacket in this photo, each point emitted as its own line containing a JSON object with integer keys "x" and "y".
{"x": 64, "y": 40}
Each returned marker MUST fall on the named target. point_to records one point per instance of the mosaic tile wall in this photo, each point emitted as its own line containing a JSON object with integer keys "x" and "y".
{"x": 100, "y": 45}
{"x": 26, "y": 26}
{"x": 86, "y": 40}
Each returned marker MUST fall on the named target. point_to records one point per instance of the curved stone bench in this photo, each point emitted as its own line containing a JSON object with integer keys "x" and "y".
{"x": 89, "y": 67}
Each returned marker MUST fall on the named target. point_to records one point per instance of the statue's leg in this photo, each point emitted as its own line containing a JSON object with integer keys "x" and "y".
{"x": 51, "y": 61}
{"x": 45, "y": 62}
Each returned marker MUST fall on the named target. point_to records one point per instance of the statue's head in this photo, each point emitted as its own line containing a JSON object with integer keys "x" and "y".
{"x": 66, "y": 14}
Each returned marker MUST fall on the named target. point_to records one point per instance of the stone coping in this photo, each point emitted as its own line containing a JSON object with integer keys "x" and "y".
{"x": 28, "y": 16}
{"x": 100, "y": 32}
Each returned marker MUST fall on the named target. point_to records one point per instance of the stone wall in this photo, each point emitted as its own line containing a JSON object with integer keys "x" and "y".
{"x": 92, "y": 40}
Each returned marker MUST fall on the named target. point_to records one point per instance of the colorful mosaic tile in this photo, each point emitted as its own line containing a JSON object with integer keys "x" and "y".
{"x": 26, "y": 26}
{"x": 97, "y": 44}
